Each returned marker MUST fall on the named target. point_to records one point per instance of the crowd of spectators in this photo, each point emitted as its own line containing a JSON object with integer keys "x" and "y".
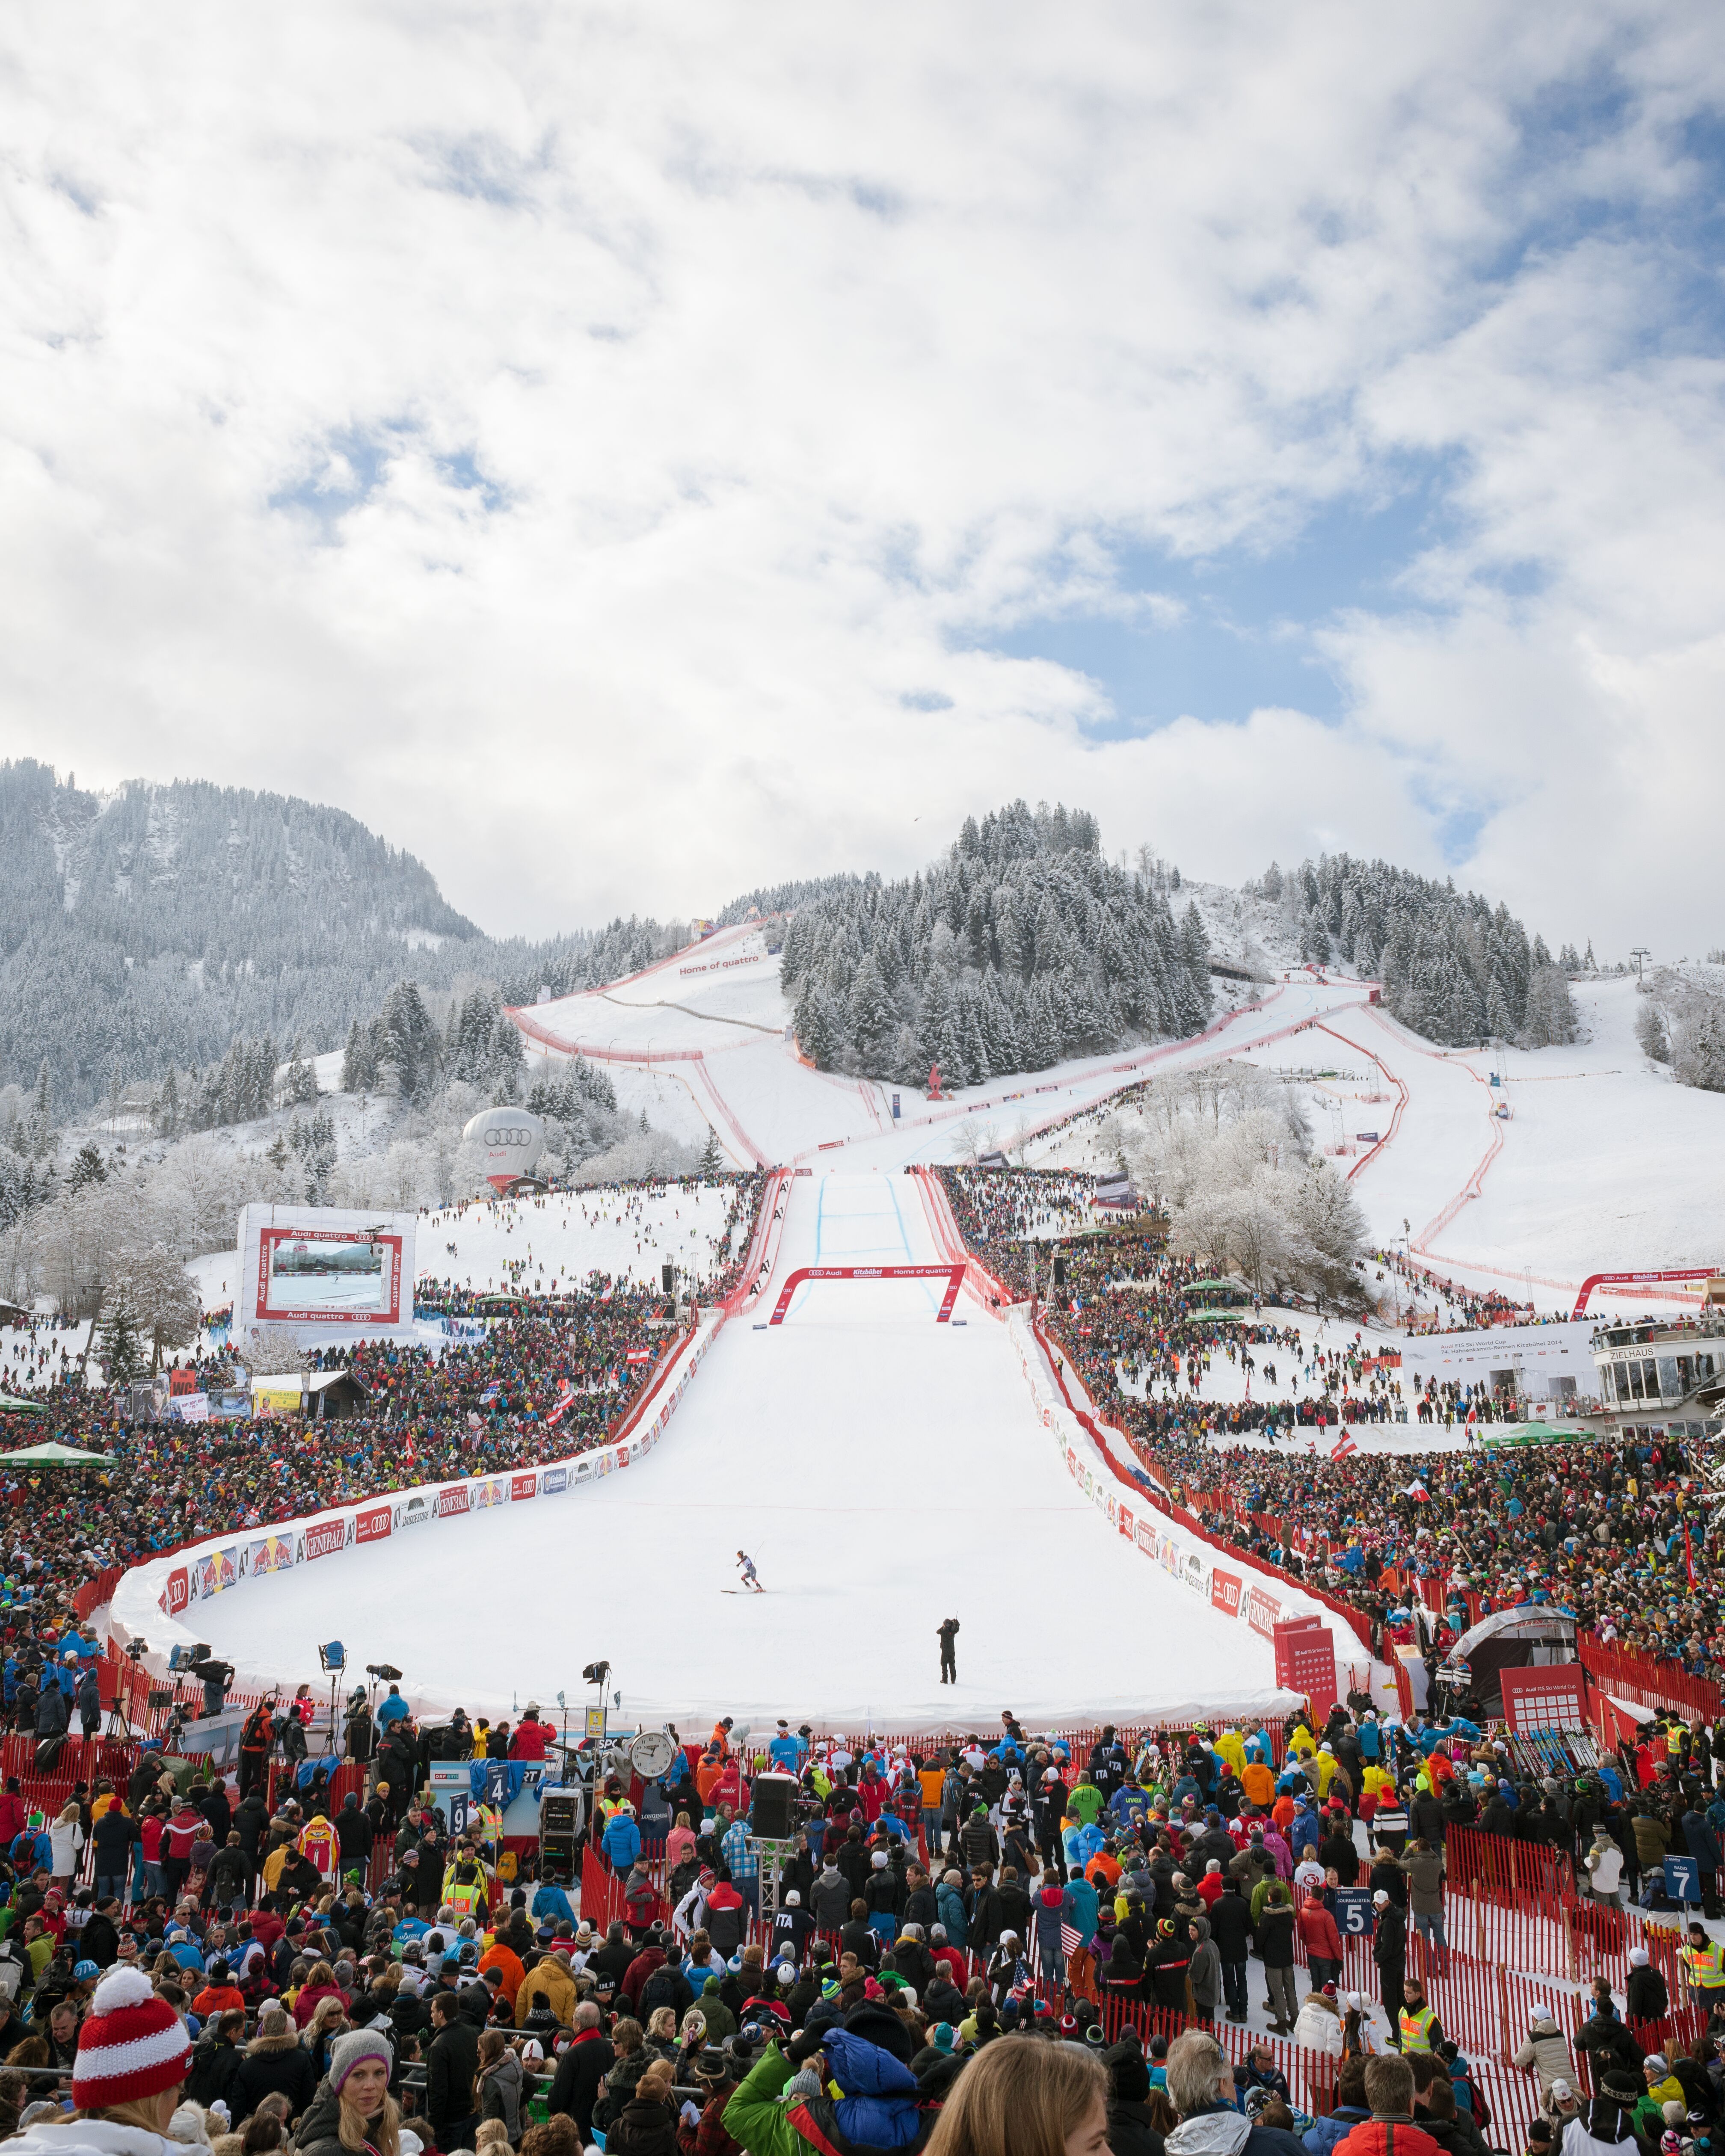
{"x": 954, "y": 1930}
{"x": 546, "y": 1379}
{"x": 1619, "y": 1533}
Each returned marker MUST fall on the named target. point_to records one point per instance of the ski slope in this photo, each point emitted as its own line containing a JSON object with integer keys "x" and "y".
{"x": 1604, "y": 1163}
{"x": 550, "y": 1244}
{"x": 715, "y": 1018}
{"x": 885, "y": 1472}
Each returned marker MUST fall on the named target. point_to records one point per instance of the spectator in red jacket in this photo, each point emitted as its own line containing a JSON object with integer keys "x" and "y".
{"x": 1323, "y": 1941}
{"x": 1390, "y": 2130}
{"x": 531, "y": 1735}
{"x": 14, "y": 1813}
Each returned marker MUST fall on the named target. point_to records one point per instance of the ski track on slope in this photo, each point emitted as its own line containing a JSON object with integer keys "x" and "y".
{"x": 859, "y": 1450}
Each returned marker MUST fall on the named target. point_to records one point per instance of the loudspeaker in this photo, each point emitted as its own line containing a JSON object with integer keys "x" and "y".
{"x": 770, "y": 1814}
{"x": 559, "y": 1812}
{"x": 668, "y": 1279}
{"x": 1060, "y": 1272}
{"x": 559, "y": 1827}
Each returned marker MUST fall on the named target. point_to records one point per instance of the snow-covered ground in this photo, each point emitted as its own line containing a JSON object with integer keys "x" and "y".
{"x": 885, "y": 1472}
{"x": 544, "y": 1245}
{"x": 1604, "y": 1163}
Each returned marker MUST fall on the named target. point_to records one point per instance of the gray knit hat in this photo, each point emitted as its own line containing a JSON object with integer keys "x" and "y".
{"x": 347, "y": 2052}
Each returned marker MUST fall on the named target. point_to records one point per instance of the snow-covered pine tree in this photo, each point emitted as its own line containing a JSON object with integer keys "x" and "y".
{"x": 300, "y": 1084}
{"x": 122, "y": 1353}
{"x": 359, "y": 1066}
{"x": 1023, "y": 898}
{"x": 88, "y": 1166}
{"x": 163, "y": 1298}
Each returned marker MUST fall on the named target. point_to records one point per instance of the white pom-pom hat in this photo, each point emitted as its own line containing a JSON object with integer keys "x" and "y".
{"x": 132, "y": 2044}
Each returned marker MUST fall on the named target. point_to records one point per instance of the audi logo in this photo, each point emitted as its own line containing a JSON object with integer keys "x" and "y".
{"x": 509, "y": 1137}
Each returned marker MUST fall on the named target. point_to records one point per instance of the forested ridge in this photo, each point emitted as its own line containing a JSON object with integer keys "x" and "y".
{"x": 150, "y": 929}
{"x": 1453, "y": 967}
{"x": 1023, "y": 946}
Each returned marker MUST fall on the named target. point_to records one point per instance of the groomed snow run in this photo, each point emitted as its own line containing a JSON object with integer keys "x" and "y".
{"x": 884, "y": 1470}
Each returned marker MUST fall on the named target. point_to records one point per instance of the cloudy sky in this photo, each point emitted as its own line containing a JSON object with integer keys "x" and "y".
{"x": 628, "y": 454}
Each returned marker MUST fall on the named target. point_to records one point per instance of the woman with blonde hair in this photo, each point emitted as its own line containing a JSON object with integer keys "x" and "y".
{"x": 662, "y": 2032}
{"x": 648, "y": 2126}
{"x": 323, "y": 2032}
{"x": 1025, "y": 2099}
{"x": 353, "y": 2113}
{"x": 133, "y": 2055}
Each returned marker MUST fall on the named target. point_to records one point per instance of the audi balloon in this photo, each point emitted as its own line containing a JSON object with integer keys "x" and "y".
{"x": 509, "y": 1142}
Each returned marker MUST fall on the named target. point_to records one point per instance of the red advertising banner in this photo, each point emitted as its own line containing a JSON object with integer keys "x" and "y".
{"x": 178, "y": 1591}
{"x": 450, "y": 1501}
{"x": 1262, "y": 1612}
{"x": 1124, "y": 1521}
{"x": 372, "y": 1524}
{"x": 1225, "y": 1592}
{"x": 181, "y": 1381}
{"x": 522, "y": 1486}
{"x": 323, "y": 1537}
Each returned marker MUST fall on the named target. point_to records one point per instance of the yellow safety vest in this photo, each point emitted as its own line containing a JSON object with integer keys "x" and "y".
{"x": 490, "y": 1822}
{"x": 462, "y": 1896}
{"x": 1705, "y": 1965}
{"x": 1416, "y": 2030}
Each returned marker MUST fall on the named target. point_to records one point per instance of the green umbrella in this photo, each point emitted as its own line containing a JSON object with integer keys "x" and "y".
{"x": 53, "y": 1454}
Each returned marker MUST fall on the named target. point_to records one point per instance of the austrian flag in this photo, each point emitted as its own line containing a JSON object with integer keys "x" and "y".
{"x": 1343, "y": 1446}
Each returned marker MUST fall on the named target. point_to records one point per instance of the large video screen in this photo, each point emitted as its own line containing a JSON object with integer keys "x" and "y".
{"x": 305, "y": 1275}
{"x": 320, "y": 1267}
{"x": 323, "y": 1273}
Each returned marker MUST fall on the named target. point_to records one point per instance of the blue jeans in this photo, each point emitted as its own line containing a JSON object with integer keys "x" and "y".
{"x": 1431, "y": 1927}
{"x": 110, "y": 1882}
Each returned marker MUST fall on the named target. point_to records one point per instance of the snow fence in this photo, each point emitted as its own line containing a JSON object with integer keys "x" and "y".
{"x": 151, "y": 1599}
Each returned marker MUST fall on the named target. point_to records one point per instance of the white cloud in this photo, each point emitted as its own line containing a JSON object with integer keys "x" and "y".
{"x": 585, "y": 442}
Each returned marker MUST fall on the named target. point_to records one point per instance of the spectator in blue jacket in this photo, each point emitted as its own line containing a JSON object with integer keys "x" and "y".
{"x": 621, "y": 1842}
{"x": 1703, "y": 1842}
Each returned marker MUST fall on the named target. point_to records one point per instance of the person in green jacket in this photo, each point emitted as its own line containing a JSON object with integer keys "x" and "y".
{"x": 1085, "y": 1802}
{"x": 841, "y": 2092}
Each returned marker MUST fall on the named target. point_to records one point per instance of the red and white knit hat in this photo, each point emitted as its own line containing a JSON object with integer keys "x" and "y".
{"x": 132, "y": 2044}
